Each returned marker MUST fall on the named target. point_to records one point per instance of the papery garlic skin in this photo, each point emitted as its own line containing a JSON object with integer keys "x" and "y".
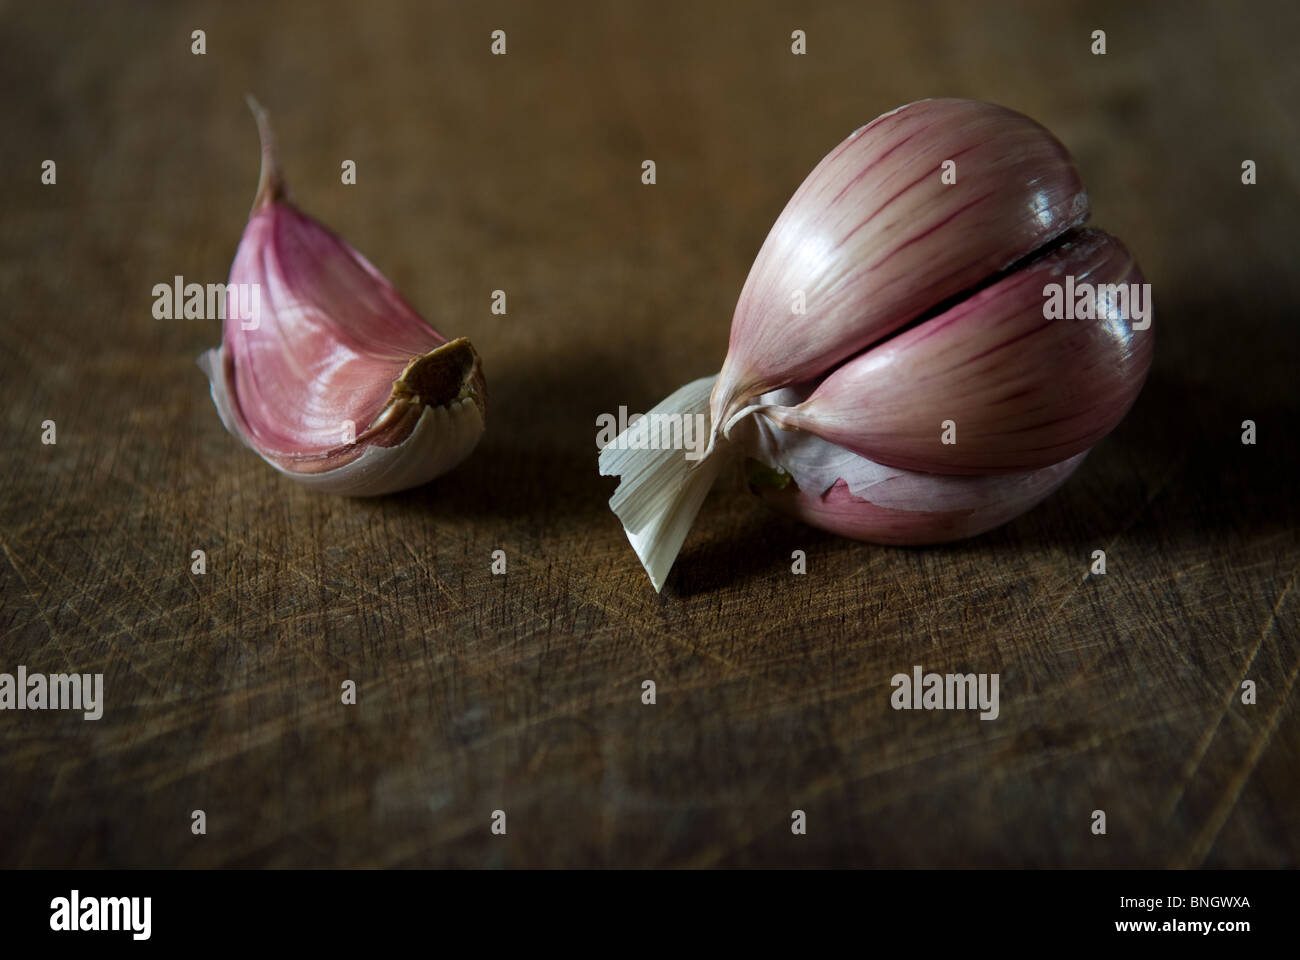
{"x": 839, "y": 491}
{"x": 841, "y": 512}
{"x": 661, "y": 491}
{"x": 874, "y": 217}
{"x": 337, "y": 381}
{"x": 436, "y": 438}
{"x": 1021, "y": 390}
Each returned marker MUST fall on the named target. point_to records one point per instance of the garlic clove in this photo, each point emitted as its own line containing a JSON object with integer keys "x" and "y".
{"x": 915, "y": 509}
{"x": 336, "y": 381}
{"x": 837, "y": 490}
{"x": 1021, "y": 391}
{"x": 874, "y": 237}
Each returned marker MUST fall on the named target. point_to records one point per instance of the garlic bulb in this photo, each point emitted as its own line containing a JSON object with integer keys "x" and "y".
{"x": 953, "y": 217}
{"x": 335, "y": 381}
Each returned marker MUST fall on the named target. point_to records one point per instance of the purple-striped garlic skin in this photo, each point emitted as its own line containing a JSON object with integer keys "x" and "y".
{"x": 333, "y": 338}
{"x": 1022, "y": 391}
{"x": 874, "y": 237}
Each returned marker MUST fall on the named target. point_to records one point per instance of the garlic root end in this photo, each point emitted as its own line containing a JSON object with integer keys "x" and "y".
{"x": 661, "y": 491}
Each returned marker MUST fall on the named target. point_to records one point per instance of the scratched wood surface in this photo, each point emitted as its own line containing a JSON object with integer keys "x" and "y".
{"x": 522, "y": 692}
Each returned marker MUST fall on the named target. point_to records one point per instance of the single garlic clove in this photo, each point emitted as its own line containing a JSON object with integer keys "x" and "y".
{"x": 1021, "y": 391}
{"x": 875, "y": 237}
{"x": 915, "y": 509}
{"x": 333, "y": 378}
{"x": 839, "y": 491}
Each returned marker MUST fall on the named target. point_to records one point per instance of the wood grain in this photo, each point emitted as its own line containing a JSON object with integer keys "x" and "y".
{"x": 522, "y": 692}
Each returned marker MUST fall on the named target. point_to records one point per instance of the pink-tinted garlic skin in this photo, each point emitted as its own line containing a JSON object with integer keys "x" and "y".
{"x": 324, "y": 369}
{"x": 1023, "y": 391}
{"x": 873, "y": 238}
{"x": 839, "y": 512}
{"x": 332, "y": 337}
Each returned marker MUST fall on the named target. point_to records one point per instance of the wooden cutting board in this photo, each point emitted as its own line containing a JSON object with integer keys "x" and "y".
{"x": 523, "y": 692}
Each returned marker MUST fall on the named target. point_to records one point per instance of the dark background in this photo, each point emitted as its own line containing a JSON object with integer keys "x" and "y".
{"x": 522, "y": 692}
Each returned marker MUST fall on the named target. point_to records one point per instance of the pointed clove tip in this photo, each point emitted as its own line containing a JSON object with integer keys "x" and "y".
{"x": 270, "y": 184}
